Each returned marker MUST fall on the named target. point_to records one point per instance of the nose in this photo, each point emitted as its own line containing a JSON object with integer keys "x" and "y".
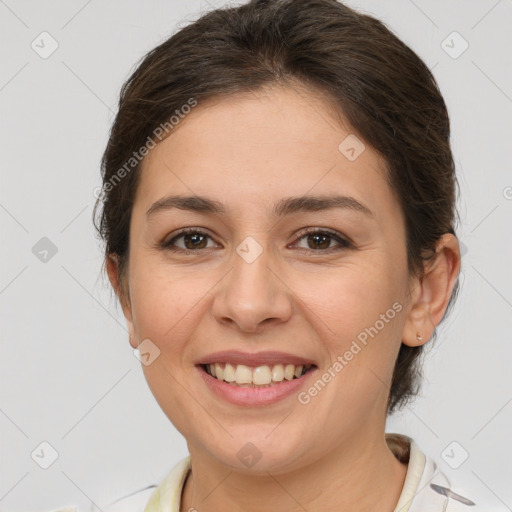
{"x": 252, "y": 296}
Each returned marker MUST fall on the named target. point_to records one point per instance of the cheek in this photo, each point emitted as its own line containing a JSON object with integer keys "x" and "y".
{"x": 361, "y": 312}
{"x": 362, "y": 356}
{"x": 351, "y": 297}
{"x": 160, "y": 305}
{"x": 165, "y": 311}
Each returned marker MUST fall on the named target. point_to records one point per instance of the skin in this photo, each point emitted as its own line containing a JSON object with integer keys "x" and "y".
{"x": 249, "y": 151}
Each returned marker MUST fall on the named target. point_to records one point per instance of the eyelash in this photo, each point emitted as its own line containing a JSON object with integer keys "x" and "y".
{"x": 344, "y": 244}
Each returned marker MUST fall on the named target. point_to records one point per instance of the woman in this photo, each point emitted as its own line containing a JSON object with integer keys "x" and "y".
{"x": 278, "y": 210}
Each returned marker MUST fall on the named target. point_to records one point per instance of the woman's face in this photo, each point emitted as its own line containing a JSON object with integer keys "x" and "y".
{"x": 253, "y": 279}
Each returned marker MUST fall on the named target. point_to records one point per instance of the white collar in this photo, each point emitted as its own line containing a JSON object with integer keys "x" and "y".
{"x": 425, "y": 488}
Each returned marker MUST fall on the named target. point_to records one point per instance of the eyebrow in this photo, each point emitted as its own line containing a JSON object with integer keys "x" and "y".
{"x": 286, "y": 206}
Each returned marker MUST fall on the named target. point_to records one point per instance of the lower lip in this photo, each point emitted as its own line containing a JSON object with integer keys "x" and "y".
{"x": 254, "y": 396}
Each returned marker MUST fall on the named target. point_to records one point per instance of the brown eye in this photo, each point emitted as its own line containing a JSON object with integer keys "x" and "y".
{"x": 320, "y": 241}
{"x": 192, "y": 240}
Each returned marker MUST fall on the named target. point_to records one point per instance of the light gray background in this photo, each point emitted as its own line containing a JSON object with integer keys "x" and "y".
{"x": 69, "y": 376}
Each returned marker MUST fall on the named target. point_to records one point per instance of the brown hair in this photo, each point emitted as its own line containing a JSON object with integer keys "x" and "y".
{"x": 381, "y": 86}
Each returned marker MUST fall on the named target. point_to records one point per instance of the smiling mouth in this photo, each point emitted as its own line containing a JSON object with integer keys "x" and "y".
{"x": 256, "y": 377}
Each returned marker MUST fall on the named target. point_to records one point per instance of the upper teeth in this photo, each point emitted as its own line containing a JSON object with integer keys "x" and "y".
{"x": 261, "y": 375}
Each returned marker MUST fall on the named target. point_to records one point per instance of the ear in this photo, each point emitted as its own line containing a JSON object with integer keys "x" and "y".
{"x": 121, "y": 291}
{"x": 431, "y": 293}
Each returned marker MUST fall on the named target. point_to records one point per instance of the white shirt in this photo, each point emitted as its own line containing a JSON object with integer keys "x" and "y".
{"x": 425, "y": 488}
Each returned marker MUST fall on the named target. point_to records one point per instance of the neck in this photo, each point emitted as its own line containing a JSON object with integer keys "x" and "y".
{"x": 359, "y": 475}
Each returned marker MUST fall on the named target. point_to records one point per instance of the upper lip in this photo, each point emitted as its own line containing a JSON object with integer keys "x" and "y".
{"x": 255, "y": 359}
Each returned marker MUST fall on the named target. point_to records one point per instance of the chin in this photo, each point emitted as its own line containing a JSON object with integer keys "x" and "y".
{"x": 255, "y": 454}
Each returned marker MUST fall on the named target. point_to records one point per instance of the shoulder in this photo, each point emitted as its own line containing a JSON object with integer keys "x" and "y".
{"x": 135, "y": 502}
{"x": 149, "y": 499}
{"x": 453, "y": 495}
{"x": 436, "y": 493}
{"x": 426, "y": 488}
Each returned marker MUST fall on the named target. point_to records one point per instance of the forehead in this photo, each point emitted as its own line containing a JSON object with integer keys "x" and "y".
{"x": 253, "y": 149}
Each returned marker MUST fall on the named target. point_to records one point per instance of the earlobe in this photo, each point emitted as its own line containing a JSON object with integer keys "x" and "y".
{"x": 433, "y": 292}
{"x": 419, "y": 326}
